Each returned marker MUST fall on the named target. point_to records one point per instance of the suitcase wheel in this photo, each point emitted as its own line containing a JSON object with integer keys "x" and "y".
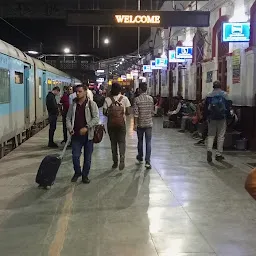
{"x": 43, "y": 187}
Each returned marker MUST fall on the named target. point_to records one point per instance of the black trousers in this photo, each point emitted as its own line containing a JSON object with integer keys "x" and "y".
{"x": 205, "y": 131}
{"x": 52, "y": 127}
{"x": 64, "y": 125}
{"x": 117, "y": 137}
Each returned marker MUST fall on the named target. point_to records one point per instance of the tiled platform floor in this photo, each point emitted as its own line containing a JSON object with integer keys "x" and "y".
{"x": 183, "y": 207}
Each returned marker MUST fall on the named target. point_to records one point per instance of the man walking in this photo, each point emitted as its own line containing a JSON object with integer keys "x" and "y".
{"x": 82, "y": 117}
{"x": 52, "y": 108}
{"x": 116, "y": 107}
{"x": 65, "y": 106}
{"x": 216, "y": 112}
{"x": 143, "y": 123}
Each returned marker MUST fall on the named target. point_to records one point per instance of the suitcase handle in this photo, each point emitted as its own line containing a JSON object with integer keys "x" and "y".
{"x": 65, "y": 147}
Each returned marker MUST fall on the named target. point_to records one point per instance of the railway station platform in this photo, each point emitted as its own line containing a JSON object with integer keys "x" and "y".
{"x": 182, "y": 207}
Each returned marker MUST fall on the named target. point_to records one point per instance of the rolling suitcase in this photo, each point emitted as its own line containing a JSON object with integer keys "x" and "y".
{"x": 49, "y": 167}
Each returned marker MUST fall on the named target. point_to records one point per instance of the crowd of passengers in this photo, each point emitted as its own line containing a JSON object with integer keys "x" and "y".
{"x": 194, "y": 117}
{"x": 210, "y": 118}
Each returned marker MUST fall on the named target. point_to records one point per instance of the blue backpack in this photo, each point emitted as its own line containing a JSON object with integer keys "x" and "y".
{"x": 217, "y": 107}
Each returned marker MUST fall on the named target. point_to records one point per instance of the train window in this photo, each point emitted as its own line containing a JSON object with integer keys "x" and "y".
{"x": 18, "y": 77}
{"x": 40, "y": 87}
{"x": 4, "y": 86}
{"x": 49, "y": 83}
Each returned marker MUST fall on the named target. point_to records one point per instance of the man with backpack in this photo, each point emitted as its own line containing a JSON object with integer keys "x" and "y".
{"x": 143, "y": 123}
{"x": 116, "y": 107}
{"x": 216, "y": 112}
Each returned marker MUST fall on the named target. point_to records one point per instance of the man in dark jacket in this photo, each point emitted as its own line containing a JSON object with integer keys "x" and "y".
{"x": 52, "y": 108}
{"x": 65, "y": 106}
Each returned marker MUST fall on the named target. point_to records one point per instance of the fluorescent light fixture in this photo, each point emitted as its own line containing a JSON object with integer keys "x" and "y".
{"x": 66, "y": 50}
{"x": 33, "y": 52}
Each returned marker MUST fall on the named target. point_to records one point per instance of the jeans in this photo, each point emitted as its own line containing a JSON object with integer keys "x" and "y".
{"x": 184, "y": 121}
{"x": 117, "y": 137}
{"x": 64, "y": 125}
{"x": 148, "y": 135}
{"x": 216, "y": 128}
{"x": 79, "y": 142}
{"x": 52, "y": 127}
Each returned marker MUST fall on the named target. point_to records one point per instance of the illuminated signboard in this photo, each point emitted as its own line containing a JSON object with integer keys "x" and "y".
{"x": 134, "y": 18}
{"x": 147, "y": 69}
{"x": 153, "y": 65}
{"x": 236, "y": 32}
{"x": 173, "y": 59}
{"x": 100, "y": 80}
{"x": 184, "y": 52}
{"x": 161, "y": 62}
{"x": 138, "y": 19}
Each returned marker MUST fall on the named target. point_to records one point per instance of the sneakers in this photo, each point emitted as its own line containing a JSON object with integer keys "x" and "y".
{"x": 75, "y": 178}
{"x": 121, "y": 165}
{"x": 148, "y": 166}
{"x": 209, "y": 156}
{"x": 219, "y": 158}
{"x": 200, "y": 143}
{"x": 115, "y": 165}
{"x": 85, "y": 180}
{"x": 139, "y": 161}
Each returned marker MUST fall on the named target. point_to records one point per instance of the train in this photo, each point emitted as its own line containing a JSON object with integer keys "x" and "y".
{"x": 24, "y": 84}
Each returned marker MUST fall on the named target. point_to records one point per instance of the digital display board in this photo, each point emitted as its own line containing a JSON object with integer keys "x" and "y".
{"x": 173, "y": 59}
{"x": 142, "y": 18}
{"x": 161, "y": 62}
{"x": 184, "y": 52}
{"x": 147, "y": 69}
{"x": 236, "y": 32}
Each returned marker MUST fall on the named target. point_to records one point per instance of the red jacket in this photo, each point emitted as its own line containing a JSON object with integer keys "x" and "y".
{"x": 65, "y": 102}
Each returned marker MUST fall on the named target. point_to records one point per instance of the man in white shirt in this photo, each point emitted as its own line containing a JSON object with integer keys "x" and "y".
{"x": 73, "y": 95}
{"x": 116, "y": 107}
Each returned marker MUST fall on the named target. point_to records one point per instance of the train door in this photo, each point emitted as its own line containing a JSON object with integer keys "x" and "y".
{"x": 44, "y": 91}
{"x": 26, "y": 94}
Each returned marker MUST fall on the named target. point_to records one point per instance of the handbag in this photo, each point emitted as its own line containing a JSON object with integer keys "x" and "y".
{"x": 99, "y": 130}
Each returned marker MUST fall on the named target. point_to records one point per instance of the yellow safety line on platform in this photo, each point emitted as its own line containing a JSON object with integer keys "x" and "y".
{"x": 62, "y": 225}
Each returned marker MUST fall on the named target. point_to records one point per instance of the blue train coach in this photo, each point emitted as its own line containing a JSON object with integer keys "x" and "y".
{"x": 24, "y": 84}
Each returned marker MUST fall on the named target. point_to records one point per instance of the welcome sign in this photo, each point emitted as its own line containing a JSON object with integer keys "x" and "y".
{"x": 132, "y": 18}
{"x": 138, "y": 19}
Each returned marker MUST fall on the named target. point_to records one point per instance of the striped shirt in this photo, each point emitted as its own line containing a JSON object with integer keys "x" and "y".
{"x": 144, "y": 110}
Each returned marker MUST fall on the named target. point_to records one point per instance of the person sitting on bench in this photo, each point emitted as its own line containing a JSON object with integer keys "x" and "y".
{"x": 173, "y": 115}
{"x": 188, "y": 113}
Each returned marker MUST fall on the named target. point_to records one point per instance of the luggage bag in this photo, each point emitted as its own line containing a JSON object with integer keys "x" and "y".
{"x": 49, "y": 167}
